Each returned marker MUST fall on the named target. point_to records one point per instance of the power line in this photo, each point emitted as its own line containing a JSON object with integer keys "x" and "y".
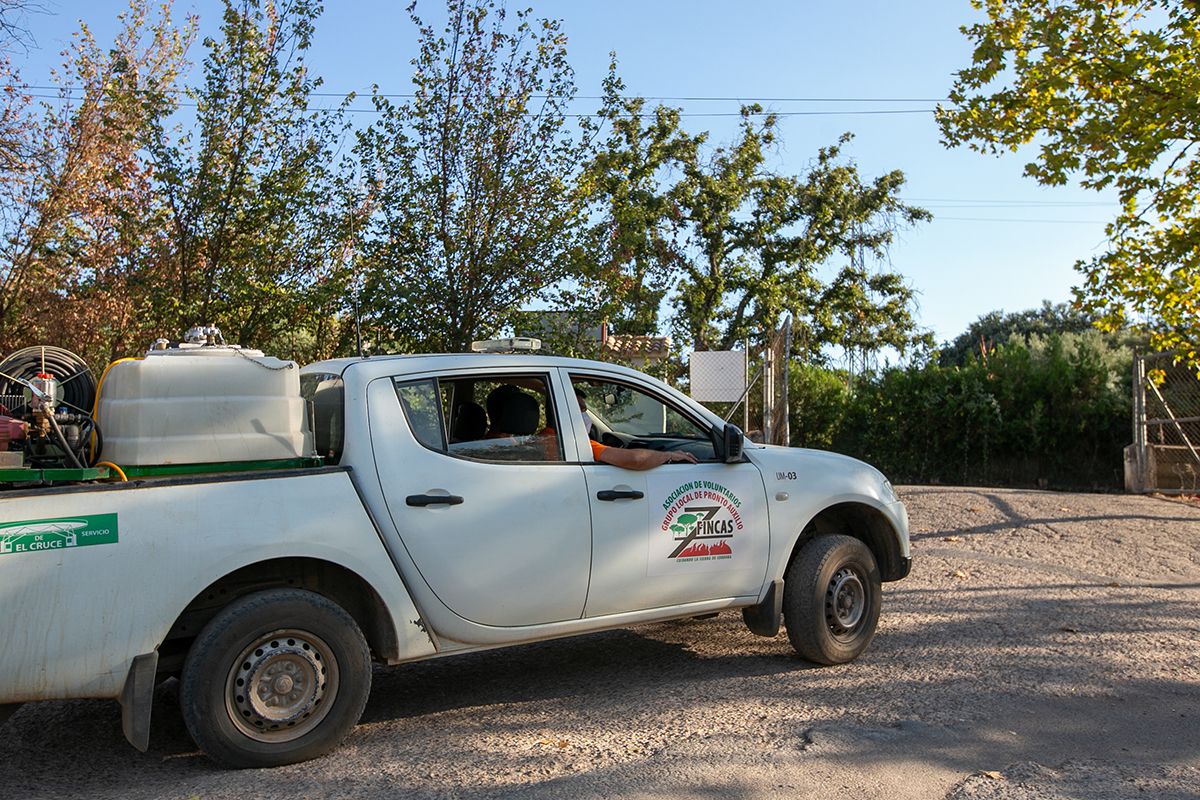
{"x": 1010, "y": 219}
{"x": 1003, "y": 203}
{"x": 853, "y": 112}
{"x": 823, "y": 113}
{"x": 952, "y": 203}
{"x": 783, "y": 99}
{"x": 1014, "y": 206}
{"x": 673, "y": 98}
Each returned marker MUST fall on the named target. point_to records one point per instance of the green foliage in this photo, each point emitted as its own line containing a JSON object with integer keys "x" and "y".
{"x": 733, "y": 246}
{"x": 633, "y": 254}
{"x": 1051, "y": 412}
{"x": 997, "y": 328}
{"x": 818, "y": 400}
{"x": 250, "y": 242}
{"x": 1106, "y": 90}
{"x": 472, "y": 180}
{"x": 450, "y": 213}
{"x": 863, "y": 312}
{"x": 757, "y": 239}
{"x": 132, "y": 225}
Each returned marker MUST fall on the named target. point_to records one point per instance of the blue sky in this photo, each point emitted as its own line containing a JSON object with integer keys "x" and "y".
{"x": 998, "y": 241}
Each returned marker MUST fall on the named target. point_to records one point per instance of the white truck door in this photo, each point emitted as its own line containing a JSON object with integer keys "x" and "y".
{"x": 678, "y": 533}
{"x": 491, "y": 511}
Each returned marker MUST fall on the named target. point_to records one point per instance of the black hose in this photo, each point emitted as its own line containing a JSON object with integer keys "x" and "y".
{"x": 99, "y": 448}
{"x": 75, "y": 379}
{"x": 62, "y": 441}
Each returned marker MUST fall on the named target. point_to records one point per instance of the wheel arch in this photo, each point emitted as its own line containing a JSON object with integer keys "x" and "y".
{"x": 334, "y": 581}
{"x": 865, "y": 523}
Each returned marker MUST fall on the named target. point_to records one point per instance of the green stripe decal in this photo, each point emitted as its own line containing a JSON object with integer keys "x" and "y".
{"x": 165, "y": 470}
{"x": 59, "y": 533}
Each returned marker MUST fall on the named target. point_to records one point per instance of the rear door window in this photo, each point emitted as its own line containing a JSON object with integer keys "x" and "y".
{"x": 486, "y": 417}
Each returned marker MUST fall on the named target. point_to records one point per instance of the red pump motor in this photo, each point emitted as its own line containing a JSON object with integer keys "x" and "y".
{"x": 11, "y": 430}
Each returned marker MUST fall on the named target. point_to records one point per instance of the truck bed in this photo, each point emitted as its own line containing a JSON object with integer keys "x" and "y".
{"x": 91, "y": 576}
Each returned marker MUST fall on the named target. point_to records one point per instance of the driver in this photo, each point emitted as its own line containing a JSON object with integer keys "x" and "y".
{"x": 627, "y": 459}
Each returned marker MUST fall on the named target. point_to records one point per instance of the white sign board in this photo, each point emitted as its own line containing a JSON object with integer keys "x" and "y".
{"x": 718, "y": 376}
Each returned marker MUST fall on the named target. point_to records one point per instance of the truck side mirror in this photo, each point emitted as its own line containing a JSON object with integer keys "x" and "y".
{"x": 732, "y": 444}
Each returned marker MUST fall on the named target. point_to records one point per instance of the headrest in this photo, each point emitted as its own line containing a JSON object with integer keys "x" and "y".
{"x": 512, "y": 411}
{"x": 470, "y": 423}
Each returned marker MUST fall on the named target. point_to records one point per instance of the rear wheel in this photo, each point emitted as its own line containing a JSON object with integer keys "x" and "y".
{"x": 831, "y": 599}
{"x": 278, "y": 676}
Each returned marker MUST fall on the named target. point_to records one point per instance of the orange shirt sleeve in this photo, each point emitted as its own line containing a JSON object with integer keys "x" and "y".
{"x": 597, "y": 449}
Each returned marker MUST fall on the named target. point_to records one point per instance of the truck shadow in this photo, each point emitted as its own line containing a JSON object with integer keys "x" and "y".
{"x": 596, "y": 666}
{"x": 589, "y": 671}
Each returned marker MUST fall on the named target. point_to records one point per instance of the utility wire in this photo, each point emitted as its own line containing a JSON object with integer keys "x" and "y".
{"x": 1012, "y": 206}
{"x": 1011, "y": 219}
{"x": 1002, "y": 203}
{"x": 673, "y": 98}
{"x": 67, "y": 93}
{"x": 850, "y": 112}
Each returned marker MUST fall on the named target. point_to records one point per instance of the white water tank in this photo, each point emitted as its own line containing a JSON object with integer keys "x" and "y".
{"x": 193, "y": 405}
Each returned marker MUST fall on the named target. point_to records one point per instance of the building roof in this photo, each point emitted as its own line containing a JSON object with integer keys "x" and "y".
{"x": 626, "y": 345}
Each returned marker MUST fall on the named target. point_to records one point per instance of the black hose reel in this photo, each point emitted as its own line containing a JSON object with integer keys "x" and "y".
{"x": 62, "y": 438}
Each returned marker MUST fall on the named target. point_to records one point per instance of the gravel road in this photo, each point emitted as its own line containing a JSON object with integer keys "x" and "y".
{"x": 1046, "y": 645}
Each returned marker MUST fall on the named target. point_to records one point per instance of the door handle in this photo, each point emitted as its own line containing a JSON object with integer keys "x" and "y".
{"x": 433, "y": 500}
{"x": 614, "y": 494}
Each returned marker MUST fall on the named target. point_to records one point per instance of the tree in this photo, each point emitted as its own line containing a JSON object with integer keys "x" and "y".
{"x": 13, "y": 99}
{"x": 252, "y": 240}
{"x": 731, "y": 245}
{"x": 1107, "y": 92}
{"x": 757, "y": 240}
{"x": 77, "y": 211}
{"x": 864, "y": 312}
{"x": 997, "y": 328}
{"x": 13, "y": 32}
{"x": 633, "y": 253}
{"x": 472, "y": 179}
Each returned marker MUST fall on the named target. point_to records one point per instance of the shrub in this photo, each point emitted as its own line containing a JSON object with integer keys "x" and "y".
{"x": 1051, "y": 411}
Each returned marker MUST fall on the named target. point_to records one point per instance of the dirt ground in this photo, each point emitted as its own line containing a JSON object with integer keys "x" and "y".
{"x": 1046, "y": 645}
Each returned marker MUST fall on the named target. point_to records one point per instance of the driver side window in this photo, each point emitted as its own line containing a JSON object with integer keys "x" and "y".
{"x": 619, "y": 415}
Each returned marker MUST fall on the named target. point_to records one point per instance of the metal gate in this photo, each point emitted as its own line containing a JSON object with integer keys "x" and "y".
{"x": 726, "y": 393}
{"x": 1165, "y": 454}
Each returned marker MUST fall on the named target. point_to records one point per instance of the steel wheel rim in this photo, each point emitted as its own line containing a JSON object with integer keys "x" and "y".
{"x": 845, "y": 602}
{"x": 281, "y": 686}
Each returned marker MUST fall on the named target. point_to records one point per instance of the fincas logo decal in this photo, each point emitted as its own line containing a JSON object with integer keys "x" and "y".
{"x": 703, "y": 517}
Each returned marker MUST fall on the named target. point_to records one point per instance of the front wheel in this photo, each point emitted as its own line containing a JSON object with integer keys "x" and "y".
{"x": 831, "y": 599}
{"x": 277, "y": 677}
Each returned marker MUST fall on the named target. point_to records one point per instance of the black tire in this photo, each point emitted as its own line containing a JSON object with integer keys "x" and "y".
{"x": 831, "y": 599}
{"x": 310, "y": 666}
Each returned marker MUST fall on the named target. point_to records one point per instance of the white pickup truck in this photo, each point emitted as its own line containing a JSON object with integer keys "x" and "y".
{"x": 437, "y": 526}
